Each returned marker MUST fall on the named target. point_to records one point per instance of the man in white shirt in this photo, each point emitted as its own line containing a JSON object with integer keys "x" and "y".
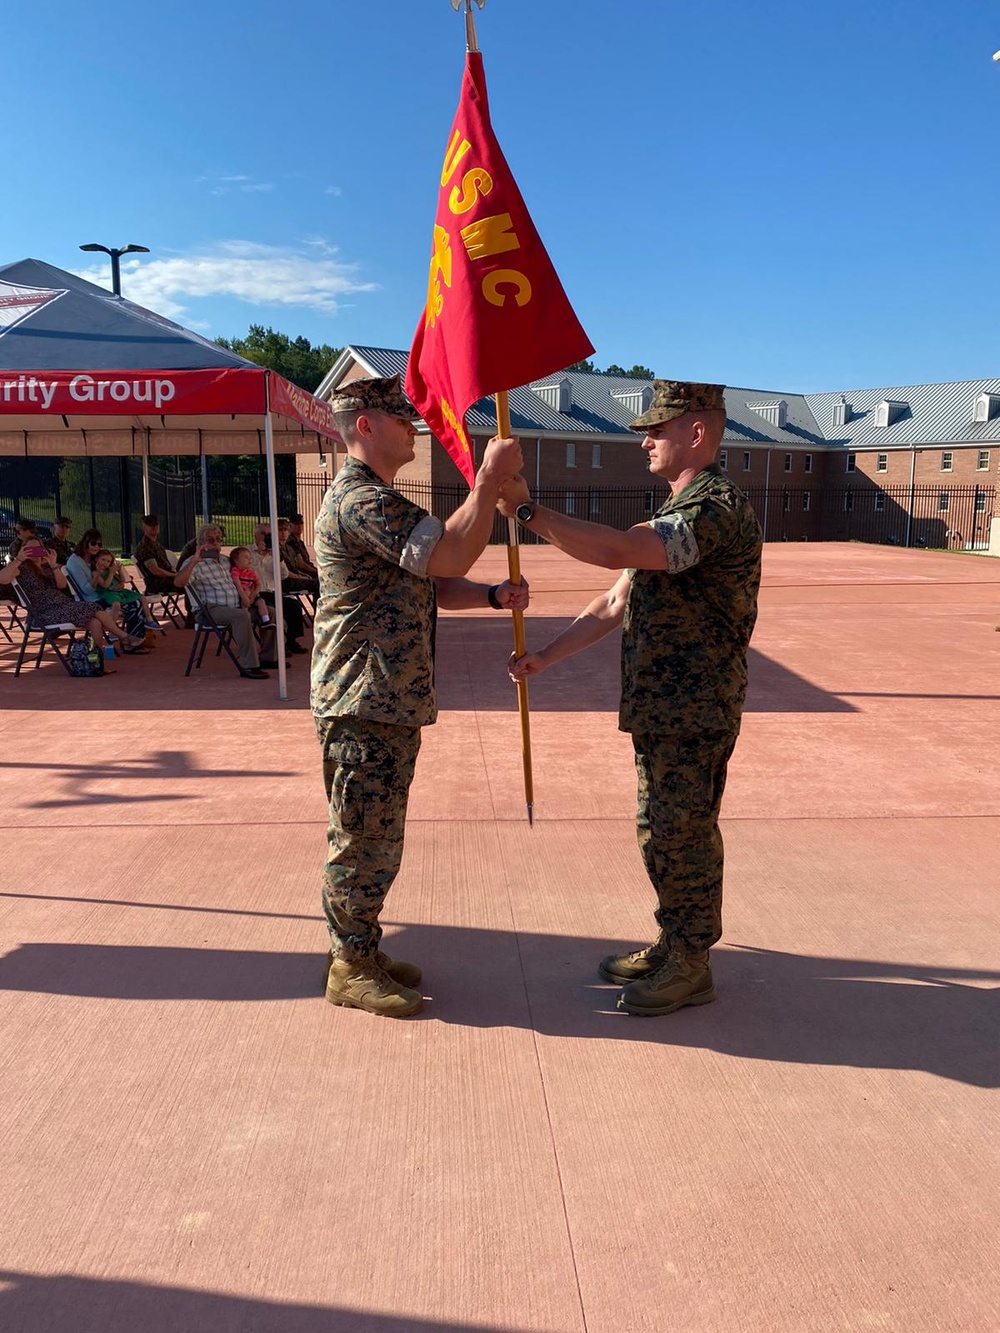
{"x": 207, "y": 574}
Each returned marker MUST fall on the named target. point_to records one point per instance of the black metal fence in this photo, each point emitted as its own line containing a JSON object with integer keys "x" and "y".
{"x": 108, "y": 494}
{"x": 939, "y": 517}
{"x": 947, "y": 518}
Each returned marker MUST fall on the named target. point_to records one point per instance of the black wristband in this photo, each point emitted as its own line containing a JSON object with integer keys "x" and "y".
{"x": 491, "y": 597}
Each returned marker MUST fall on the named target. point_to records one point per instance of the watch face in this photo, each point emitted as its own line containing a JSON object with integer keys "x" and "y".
{"x": 524, "y": 512}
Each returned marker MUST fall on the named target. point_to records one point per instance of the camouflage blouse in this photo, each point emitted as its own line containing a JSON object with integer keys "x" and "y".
{"x": 686, "y": 628}
{"x": 374, "y": 649}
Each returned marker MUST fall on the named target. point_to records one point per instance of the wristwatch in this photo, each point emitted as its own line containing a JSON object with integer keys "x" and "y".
{"x": 524, "y": 513}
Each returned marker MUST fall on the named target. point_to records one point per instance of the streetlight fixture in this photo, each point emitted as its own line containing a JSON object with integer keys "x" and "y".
{"x": 116, "y": 276}
{"x": 116, "y": 287}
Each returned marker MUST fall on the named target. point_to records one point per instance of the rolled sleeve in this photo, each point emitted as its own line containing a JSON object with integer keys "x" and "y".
{"x": 679, "y": 541}
{"x": 420, "y": 544}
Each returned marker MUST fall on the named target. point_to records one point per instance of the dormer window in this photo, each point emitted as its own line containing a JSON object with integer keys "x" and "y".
{"x": 889, "y": 412}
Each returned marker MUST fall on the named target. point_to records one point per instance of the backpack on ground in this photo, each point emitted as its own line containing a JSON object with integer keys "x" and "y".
{"x": 84, "y": 658}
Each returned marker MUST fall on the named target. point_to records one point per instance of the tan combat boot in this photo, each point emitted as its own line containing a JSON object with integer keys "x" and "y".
{"x": 623, "y": 967}
{"x": 362, "y": 984}
{"x": 404, "y": 974}
{"x": 682, "y": 979}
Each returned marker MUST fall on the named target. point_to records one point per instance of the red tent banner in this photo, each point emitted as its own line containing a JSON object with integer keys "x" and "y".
{"x": 102, "y": 393}
{"x": 496, "y": 315}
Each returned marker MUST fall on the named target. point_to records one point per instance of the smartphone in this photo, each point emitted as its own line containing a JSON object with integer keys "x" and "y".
{"x": 34, "y": 552}
{"x": 210, "y": 553}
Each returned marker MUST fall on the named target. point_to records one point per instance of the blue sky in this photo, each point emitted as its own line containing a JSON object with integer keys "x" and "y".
{"x": 777, "y": 195}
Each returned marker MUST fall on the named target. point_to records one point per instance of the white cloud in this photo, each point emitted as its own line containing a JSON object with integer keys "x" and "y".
{"x": 224, "y": 184}
{"x": 333, "y": 189}
{"x": 250, "y": 272}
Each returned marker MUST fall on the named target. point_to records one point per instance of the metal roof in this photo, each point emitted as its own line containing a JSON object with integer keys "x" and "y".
{"x": 934, "y": 414}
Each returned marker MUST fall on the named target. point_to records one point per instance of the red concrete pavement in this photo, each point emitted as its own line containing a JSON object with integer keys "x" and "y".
{"x": 192, "y": 1140}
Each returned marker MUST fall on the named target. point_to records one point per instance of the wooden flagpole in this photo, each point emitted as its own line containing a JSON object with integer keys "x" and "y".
{"x": 513, "y": 550}
{"x": 514, "y": 573}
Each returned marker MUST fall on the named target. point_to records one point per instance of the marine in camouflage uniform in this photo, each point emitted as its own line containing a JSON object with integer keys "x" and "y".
{"x": 684, "y": 679}
{"x": 686, "y": 618}
{"x": 373, "y": 678}
{"x": 372, "y": 688}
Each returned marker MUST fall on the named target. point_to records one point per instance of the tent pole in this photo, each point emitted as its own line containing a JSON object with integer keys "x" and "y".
{"x": 147, "y": 508}
{"x": 272, "y": 501}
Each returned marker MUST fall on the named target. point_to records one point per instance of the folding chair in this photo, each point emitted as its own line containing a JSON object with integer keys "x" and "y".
{"x": 9, "y": 611}
{"x": 47, "y": 633}
{"x": 205, "y": 626}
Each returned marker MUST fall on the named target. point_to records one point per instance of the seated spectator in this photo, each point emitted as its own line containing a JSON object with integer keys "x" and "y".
{"x": 155, "y": 565}
{"x": 208, "y": 574}
{"x": 188, "y": 550}
{"x": 263, "y": 565}
{"x": 247, "y": 580}
{"x": 297, "y": 546}
{"x": 60, "y": 538}
{"x": 299, "y": 578}
{"x": 108, "y": 580}
{"x": 80, "y": 566}
{"x": 24, "y": 530}
{"x": 44, "y": 583}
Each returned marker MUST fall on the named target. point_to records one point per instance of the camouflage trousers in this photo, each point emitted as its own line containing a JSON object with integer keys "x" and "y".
{"x": 681, "y": 781}
{"x": 367, "y": 770}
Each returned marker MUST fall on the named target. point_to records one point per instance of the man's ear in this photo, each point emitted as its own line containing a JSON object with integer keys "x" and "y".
{"x": 363, "y": 425}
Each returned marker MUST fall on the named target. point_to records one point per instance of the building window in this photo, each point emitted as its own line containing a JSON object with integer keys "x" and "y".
{"x": 724, "y": 459}
{"x": 806, "y": 501}
{"x": 944, "y": 501}
{"x": 947, "y": 458}
{"x": 852, "y": 463}
{"x": 595, "y": 504}
{"x": 747, "y": 460}
{"x": 571, "y": 455}
{"x": 809, "y": 462}
{"x": 788, "y": 462}
{"x": 980, "y": 502}
{"x": 879, "y": 502}
{"x": 570, "y": 503}
{"x": 848, "y": 501}
{"x": 786, "y": 501}
{"x": 595, "y": 455}
{"x": 983, "y": 460}
{"x": 882, "y": 463}
{"x": 649, "y": 502}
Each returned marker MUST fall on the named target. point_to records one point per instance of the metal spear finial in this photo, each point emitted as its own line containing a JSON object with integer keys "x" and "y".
{"x": 470, "y": 26}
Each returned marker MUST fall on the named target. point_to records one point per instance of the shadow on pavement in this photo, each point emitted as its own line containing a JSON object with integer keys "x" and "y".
{"x": 30, "y": 1302}
{"x": 788, "y": 1007}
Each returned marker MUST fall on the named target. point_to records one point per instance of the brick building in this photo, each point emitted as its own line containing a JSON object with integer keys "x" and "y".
{"x": 918, "y": 465}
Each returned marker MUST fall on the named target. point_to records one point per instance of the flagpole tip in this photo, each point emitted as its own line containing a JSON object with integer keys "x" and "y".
{"x": 531, "y": 814}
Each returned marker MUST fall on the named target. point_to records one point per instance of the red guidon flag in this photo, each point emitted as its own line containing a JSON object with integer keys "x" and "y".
{"x": 496, "y": 315}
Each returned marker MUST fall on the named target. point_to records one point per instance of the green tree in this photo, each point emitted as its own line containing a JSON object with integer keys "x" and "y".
{"x": 584, "y": 368}
{"x": 636, "y": 373}
{"x": 295, "y": 358}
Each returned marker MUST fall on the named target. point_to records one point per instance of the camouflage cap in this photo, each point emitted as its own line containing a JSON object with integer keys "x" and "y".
{"x": 383, "y": 395}
{"x": 672, "y": 398}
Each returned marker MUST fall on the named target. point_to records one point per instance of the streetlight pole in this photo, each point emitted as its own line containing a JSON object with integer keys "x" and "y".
{"x": 116, "y": 287}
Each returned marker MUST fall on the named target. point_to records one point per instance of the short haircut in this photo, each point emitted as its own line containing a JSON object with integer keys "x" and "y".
{"x": 206, "y": 528}
{"x": 237, "y": 550}
{"x": 345, "y": 424}
{"x": 151, "y": 520}
{"x": 297, "y": 518}
{"x": 26, "y": 525}
{"x": 63, "y": 522}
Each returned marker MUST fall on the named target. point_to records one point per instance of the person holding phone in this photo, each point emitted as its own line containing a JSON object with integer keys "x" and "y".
{"x": 44, "y": 583}
{"x": 210, "y": 580}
